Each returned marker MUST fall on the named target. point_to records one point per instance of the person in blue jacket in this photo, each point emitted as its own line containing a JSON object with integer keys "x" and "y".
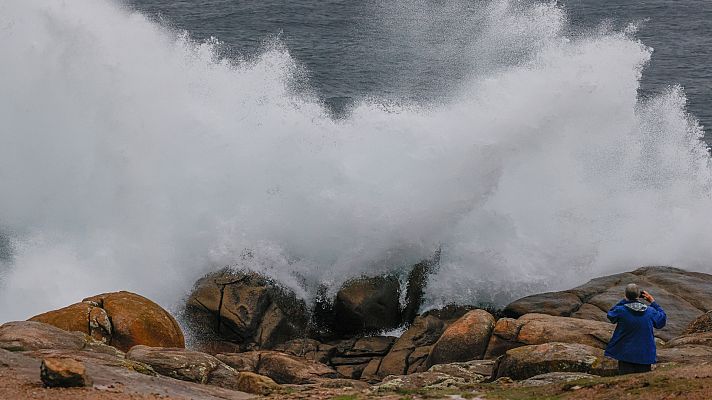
{"x": 633, "y": 343}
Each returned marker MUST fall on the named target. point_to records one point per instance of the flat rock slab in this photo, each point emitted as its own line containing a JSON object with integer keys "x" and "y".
{"x": 282, "y": 368}
{"x": 685, "y": 354}
{"x": 470, "y": 369}
{"x": 555, "y": 377}
{"x": 528, "y": 361}
{"x": 20, "y": 379}
{"x": 698, "y": 339}
{"x": 426, "y": 380}
{"x": 542, "y": 328}
{"x": 29, "y": 335}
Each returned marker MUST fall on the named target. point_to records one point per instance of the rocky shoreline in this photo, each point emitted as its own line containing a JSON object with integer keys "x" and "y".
{"x": 252, "y": 338}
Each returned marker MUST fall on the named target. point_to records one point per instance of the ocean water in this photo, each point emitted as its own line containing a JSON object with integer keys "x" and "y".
{"x": 145, "y": 143}
{"x": 421, "y": 49}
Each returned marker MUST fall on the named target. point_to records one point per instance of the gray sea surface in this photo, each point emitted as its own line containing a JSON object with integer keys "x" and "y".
{"x": 393, "y": 49}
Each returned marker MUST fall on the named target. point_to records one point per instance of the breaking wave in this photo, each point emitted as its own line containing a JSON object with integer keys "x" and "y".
{"x": 132, "y": 157}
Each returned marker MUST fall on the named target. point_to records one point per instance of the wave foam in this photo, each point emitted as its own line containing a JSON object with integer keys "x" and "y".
{"x": 134, "y": 158}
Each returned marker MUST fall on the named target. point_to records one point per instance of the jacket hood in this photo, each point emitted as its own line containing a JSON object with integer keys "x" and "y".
{"x": 637, "y": 306}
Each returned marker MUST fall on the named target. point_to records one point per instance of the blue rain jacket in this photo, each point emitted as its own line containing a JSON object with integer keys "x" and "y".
{"x": 633, "y": 339}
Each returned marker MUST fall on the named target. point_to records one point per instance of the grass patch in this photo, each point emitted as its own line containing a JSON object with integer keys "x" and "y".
{"x": 638, "y": 386}
{"x": 433, "y": 393}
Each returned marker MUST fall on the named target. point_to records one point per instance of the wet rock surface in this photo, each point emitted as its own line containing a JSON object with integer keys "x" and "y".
{"x": 245, "y": 308}
{"x": 415, "y": 288}
{"x": 367, "y": 305}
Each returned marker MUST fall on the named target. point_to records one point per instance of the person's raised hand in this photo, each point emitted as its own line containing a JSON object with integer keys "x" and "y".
{"x": 647, "y": 296}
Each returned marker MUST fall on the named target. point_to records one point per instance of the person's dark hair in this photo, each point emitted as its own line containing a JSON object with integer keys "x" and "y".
{"x": 632, "y": 291}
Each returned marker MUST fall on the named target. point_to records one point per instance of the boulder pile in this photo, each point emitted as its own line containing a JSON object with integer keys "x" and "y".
{"x": 454, "y": 334}
{"x": 258, "y": 338}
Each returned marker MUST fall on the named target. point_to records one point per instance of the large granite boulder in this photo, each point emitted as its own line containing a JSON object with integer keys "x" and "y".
{"x": 542, "y": 328}
{"x": 367, "y": 305}
{"x": 85, "y": 317}
{"x": 464, "y": 340}
{"x": 415, "y": 288}
{"x": 676, "y": 290}
{"x": 410, "y": 351}
{"x": 561, "y": 304}
{"x": 246, "y": 308}
{"x": 120, "y": 319}
{"x": 528, "y": 361}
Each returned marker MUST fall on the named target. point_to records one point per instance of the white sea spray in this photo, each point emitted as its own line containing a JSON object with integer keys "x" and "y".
{"x": 134, "y": 158}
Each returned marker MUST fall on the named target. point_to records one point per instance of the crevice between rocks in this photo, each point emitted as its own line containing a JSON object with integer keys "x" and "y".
{"x": 407, "y": 360}
{"x": 220, "y": 305}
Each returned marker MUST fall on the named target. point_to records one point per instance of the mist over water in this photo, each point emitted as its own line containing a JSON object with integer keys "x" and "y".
{"x": 132, "y": 157}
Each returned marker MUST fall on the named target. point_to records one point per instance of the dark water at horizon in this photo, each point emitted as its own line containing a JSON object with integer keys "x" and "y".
{"x": 351, "y": 50}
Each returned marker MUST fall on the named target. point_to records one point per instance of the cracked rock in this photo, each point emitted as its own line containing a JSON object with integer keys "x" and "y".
{"x": 120, "y": 319}
{"x": 244, "y": 308}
